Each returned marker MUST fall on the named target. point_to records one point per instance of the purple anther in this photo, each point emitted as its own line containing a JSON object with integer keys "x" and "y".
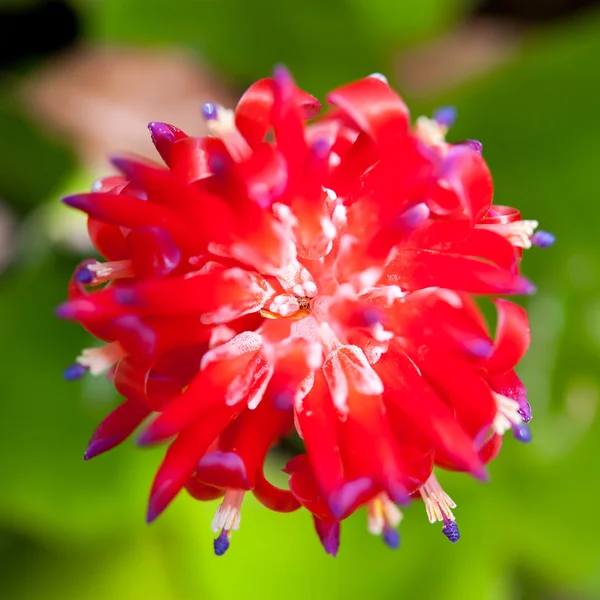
{"x": 391, "y": 537}
{"x": 321, "y": 148}
{"x": 283, "y": 399}
{"x": 543, "y": 239}
{"x": 217, "y": 163}
{"x": 474, "y": 145}
{"x": 74, "y": 372}
{"x": 209, "y": 111}
{"x": 370, "y": 316}
{"x": 221, "y": 544}
{"x": 522, "y": 433}
{"x": 84, "y": 276}
{"x": 445, "y": 116}
{"x": 450, "y": 530}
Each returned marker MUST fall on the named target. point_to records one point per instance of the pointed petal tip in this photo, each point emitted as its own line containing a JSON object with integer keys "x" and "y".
{"x": 148, "y": 437}
{"x": 97, "y": 447}
{"x": 74, "y": 201}
{"x": 347, "y": 497}
{"x": 65, "y": 311}
{"x": 160, "y": 131}
{"x": 525, "y": 287}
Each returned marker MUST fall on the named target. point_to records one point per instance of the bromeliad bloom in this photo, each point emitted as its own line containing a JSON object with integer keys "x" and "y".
{"x": 287, "y": 274}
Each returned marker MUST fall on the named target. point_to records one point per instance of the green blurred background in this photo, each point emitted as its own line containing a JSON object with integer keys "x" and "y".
{"x": 80, "y": 79}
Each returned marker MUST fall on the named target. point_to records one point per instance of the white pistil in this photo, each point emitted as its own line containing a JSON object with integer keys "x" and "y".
{"x": 228, "y": 514}
{"x": 437, "y": 503}
{"x": 381, "y": 512}
{"x": 107, "y": 271}
{"x": 518, "y": 233}
{"x": 99, "y": 360}
{"x": 223, "y": 127}
{"x": 507, "y": 415}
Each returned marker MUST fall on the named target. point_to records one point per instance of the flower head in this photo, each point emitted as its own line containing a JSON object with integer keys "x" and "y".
{"x": 279, "y": 275}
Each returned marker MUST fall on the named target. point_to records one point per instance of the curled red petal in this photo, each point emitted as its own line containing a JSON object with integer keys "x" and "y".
{"x": 512, "y": 337}
{"x": 273, "y": 497}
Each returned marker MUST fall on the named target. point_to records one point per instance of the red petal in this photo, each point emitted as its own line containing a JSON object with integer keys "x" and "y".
{"x": 512, "y": 337}
{"x": 116, "y": 427}
{"x": 131, "y": 212}
{"x": 468, "y": 394}
{"x": 153, "y": 252}
{"x": 272, "y": 497}
{"x": 253, "y": 112}
{"x": 407, "y": 388}
{"x": 317, "y": 421}
{"x": 413, "y": 270}
{"x": 108, "y": 239}
{"x": 183, "y": 455}
{"x": 376, "y": 109}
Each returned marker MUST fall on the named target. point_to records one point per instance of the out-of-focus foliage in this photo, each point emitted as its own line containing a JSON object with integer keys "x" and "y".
{"x": 323, "y": 43}
{"x": 75, "y": 530}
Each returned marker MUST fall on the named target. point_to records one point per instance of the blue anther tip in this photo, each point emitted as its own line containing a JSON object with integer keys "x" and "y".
{"x": 450, "y": 530}
{"x": 543, "y": 239}
{"x": 221, "y": 544}
{"x": 445, "y": 115}
{"x": 522, "y": 433}
{"x": 209, "y": 111}
{"x": 391, "y": 537}
{"x": 74, "y": 372}
{"x": 84, "y": 276}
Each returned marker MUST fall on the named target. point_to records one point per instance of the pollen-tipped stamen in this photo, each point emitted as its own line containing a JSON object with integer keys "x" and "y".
{"x": 98, "y": 272}
{"x": 437, "y": 503}
{"x": 518, "y": 233}
{"x": 508, "y": 416}
{"x": 383, "y": 518}
{"x": 99, "y": 360}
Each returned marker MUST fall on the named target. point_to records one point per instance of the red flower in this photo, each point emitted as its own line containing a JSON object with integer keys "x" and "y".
{"x": 279, "y": 276}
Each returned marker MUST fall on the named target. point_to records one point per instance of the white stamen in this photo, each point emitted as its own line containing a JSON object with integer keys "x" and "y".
{"x": 437, "y": 503}
{"x": 228, "y": 514}
{"x": 99, "y": 360}
{"x": 381, "y": 512}
{"x": 518, "y": 233}
{"x": 430, "y": 131}
{"x": 107, "y": 271}
{"x": 507, "y": 415}
{"x": 224, "y": 128}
